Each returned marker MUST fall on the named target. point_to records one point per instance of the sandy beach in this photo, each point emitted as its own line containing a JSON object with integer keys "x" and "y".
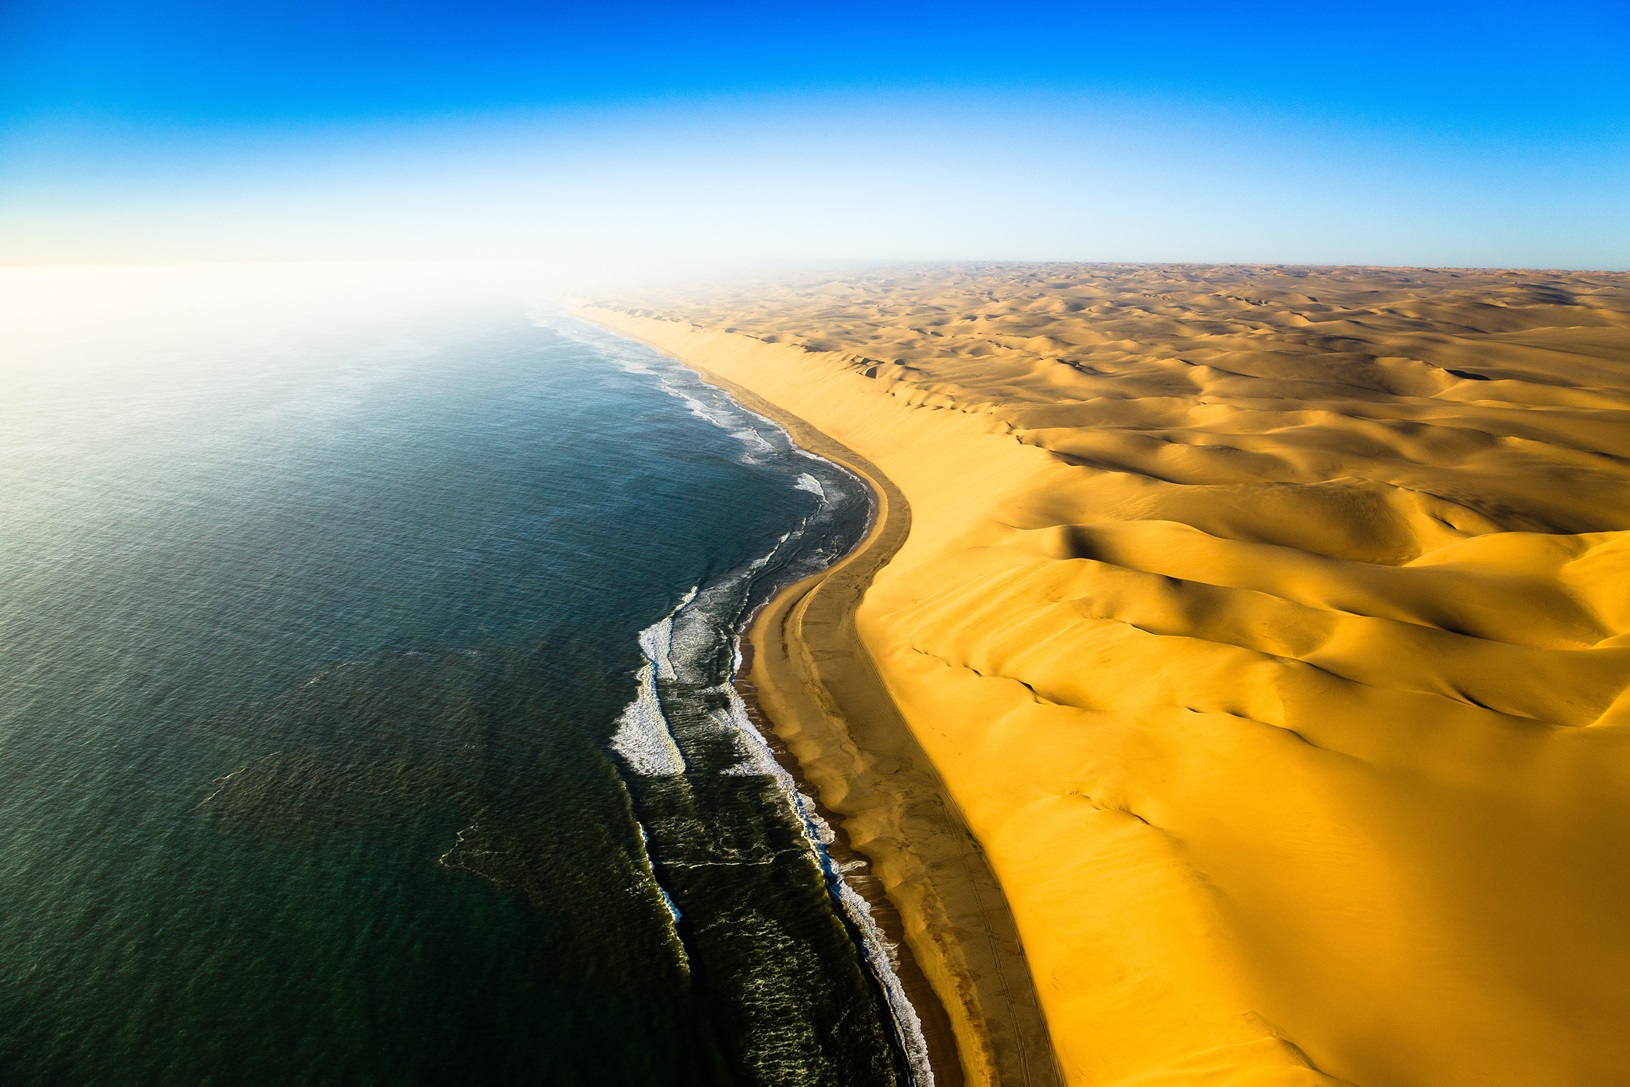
{"x": 809, "y": 677}
{"x": 1265, "y": 627}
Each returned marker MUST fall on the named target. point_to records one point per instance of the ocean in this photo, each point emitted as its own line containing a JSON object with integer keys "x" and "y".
{"x": 365, "y": 712}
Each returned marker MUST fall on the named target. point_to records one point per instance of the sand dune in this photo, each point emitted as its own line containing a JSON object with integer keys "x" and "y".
{"x": 1270, "y": 628}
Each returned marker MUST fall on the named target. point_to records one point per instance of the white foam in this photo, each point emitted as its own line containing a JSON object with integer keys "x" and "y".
{"x": 880, "y": 954}
{"x": 706, "y": 402}
{"x": 643, "y": 737}
{"x": 807, "y": 482}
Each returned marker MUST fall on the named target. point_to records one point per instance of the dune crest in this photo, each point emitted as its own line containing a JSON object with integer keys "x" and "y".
{"x": 1270, "y": 628}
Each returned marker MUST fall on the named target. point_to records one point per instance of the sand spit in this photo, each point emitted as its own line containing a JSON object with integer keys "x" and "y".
{"x": 1269, "y": 627}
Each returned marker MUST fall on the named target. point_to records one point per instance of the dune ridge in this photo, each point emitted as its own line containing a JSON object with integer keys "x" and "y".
{"x": 1270, "y": 627}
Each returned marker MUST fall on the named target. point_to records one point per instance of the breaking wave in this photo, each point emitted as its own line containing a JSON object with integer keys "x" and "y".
{"x": 692, "y": 654}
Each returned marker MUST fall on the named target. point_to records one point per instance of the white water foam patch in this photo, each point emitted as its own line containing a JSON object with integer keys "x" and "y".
{"x": 706, "y": 402}
{"x": 643, "y": 737}
{"x": 880, "y": 955}
{"x": 753, "y": 440}
{"x": 715, "y": 410}
{"x": 719, "y": 410}
{"x": 713, "y": 613}
{"x": 807, "y": 482}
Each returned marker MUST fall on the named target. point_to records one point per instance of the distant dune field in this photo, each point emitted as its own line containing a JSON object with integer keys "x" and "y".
{"x": 1271, "y": 629}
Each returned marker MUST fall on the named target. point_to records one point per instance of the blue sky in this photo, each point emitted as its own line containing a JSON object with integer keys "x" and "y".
{"x": 1428, "y": 133}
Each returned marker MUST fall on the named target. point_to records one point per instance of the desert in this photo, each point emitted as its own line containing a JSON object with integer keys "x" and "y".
{"x": 1267, "y": 627}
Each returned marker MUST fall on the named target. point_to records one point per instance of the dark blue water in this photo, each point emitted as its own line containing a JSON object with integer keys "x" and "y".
{"x": 363, "y": 714}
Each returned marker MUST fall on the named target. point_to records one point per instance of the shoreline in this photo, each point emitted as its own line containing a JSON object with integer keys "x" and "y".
{"x": 1268, "y": 627}
{"x": 811, "y": 685}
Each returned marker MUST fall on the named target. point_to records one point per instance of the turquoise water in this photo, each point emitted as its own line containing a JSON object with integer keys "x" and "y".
{"x": 361, "y": 707}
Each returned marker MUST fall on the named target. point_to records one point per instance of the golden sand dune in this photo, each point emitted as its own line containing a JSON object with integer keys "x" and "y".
{"x": 1271, "y": 629}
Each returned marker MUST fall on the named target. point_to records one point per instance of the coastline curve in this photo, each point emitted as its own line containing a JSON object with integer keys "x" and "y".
{"x": 807, "y": 674}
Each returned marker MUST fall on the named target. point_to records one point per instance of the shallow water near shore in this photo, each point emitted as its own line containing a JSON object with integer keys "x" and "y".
{"x": 364, "y": 712}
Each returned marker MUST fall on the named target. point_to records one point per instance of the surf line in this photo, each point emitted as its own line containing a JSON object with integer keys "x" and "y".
{"x": 644, "y": 737}
{"x": 645, "y": 741}
{"x": 875, "y": 950}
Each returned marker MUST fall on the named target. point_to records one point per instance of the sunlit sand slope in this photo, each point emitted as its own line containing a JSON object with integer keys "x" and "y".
{"x": 1272, "y": 629}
